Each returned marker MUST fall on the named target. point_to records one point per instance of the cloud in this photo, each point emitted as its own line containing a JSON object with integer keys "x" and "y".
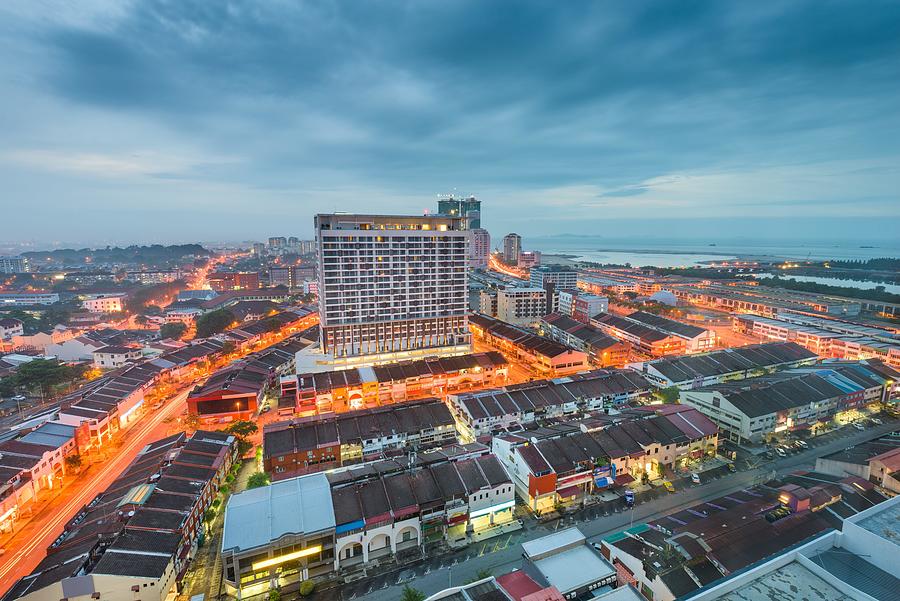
{"x": 568, "y": 112}
{"x": 149, "y": 164}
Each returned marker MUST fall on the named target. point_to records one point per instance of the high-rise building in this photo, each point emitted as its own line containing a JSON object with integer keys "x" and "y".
{"x": 13, "y": 265}
{"x": 392, "y": 287}
{"x": 277, "y": 242}
{"x": 469, "y": 207}
{"x": 512, "y": 248}
{"x": 259, "y": 249}
{"x": 293, "y": 241}
{"x": 480, "y": 249}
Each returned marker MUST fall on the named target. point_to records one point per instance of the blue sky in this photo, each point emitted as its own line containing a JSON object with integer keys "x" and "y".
{"x": 183, "y": 120}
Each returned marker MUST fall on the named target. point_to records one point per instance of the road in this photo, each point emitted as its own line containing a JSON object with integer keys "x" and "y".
{"x": 502, "y": 554}
{"x": 28, "y": 546}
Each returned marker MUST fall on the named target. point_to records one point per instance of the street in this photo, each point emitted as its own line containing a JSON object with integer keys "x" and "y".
{"x": 26, "y": 548}
{"x": 503, "y": 554}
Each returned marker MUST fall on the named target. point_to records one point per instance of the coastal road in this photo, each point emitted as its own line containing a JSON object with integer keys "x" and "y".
{"x": 502, "y": 554}
{"x": 28, "y": 546}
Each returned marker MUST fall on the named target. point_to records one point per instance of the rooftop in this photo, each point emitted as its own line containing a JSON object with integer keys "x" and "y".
{"x": 256, "y": 517}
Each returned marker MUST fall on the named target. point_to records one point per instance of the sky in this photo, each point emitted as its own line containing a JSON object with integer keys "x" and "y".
{"x": 182, "y": 120}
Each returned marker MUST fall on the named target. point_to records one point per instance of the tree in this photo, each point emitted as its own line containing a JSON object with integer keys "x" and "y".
{"x": 172, "y": 330}
{"x": 257, "y": 480}
{"x": 214, "y": 322}
{"x": 44, "y": 374}
{"x": 412, "y": 594}
{"x": 307, "y": 587}
{"x": 73, "y": 463}
{"x": 242, "y": 428}
{"x": 274, "y": 594}
{"x": 191, "y": 421}
{"x": 668, "y": 395}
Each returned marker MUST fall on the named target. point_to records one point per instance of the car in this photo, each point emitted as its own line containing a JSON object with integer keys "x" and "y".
{"x": 770, "y": 454}
{"x": 859, "y": 426}
{"x": 780, "y": 452}
{"x": 19, "y": 397}
{"x": 732, "y": 467}
{"x": 629, "y": 498}
{"x": 802, "y": 444}
{"x": 695, "y": 478}
{"x": 668, "y": 486}
{"x": 877, "y": 421}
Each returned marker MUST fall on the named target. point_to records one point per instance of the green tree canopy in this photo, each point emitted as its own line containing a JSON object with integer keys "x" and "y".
{"x": 214, "y": 322}
{"x": 172, "y": 330}
{"x": 668, "y": 395}
{"x": 258, "y": 480}
{"x": 242, "y": 428}
{"x": 412, "y": 594}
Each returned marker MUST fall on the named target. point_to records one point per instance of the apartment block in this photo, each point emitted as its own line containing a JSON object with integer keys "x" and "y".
{"x": 392, "y": 287}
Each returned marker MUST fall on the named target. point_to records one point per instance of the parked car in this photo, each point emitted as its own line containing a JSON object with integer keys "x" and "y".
{"x": 877, "y": 421}
{"x": 859, "y": 426}
{"x": 770, "y": 454}
{"x": 629, "y": 498}
{"x": 780, "y": 452}
{"x": 669, "y": 486}
{"x": 695, "y": 478}
{"x": 802, "y": 444}
{"x": 19, "y": 397}
{"x": 732, "y": 468}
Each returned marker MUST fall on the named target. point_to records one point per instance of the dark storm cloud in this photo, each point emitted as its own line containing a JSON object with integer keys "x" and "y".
{"x": 590, "y": 102}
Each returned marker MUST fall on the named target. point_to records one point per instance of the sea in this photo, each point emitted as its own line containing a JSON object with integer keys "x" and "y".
{"x": 682, "y": 253}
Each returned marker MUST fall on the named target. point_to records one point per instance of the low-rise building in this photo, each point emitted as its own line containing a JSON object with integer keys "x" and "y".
{"x": 562, "y": 465}
{"x": 580, "y": 305}
{"x": 368, "y": 387}
{"x": 562, "y": 278}
{"x": 307, "y": 445}
{"x": 521, "y": 306}
{"x": 104, "y": 303}
{"x": 491, "y": 412}
{"x": 602, "y": 350}
{"x": 696, "y": 371}
{"x": 565, "y": 561}
{"x": 854, "y": 558}
{"x": 318, "y": 524}
{"x": 654, "y": 335}
{"x": 763, "y": 407}
{"x": 234, "y": 391}
{"x": 22, "y": 299}
{"x": 544, "y": 356}
{"x": 111, "y": 357}
{"x": 139, "y": 535}
{"x": 153, "y": 276}
{"x": 876, "y": 460}
{"x": 828, "y": 341}
{"x": 80, "y": 348}
{"x": 10, "y": 327}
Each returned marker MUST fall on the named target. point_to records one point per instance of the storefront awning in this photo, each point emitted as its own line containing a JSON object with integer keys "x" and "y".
{"x": 568, "y": 492}
{"x": 623, "y": 479}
